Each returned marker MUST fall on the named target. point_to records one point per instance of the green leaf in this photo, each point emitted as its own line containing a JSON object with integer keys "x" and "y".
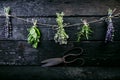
{"x": 35, "y": 44}
{"x": 37, "y": 31}
{"x": 7, "y": 10}
{"x": 85, "y": 32}
{"x": 33, "y": 36}
{"x": 32, "y": 31}
{"x": 29, "y": 37}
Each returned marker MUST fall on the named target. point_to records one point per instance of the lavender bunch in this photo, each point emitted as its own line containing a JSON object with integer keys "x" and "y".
{"x": 110, "y": 28}
{"x": 8, "y": 26}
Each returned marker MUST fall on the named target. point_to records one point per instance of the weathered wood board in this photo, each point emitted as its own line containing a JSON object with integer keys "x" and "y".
{"x": 64, "y": 73}
{"x": 18, "y": 60}
{"x": 50, "y": 7}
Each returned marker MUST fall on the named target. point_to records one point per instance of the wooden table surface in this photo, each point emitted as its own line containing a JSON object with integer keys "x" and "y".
{"x": 19, "y": 61}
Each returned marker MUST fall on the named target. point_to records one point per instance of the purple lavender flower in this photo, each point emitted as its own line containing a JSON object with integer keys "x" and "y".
{"x": 110, "y": 28}
{"x": 110, "y": 32}
{"x": 8, "y": 26}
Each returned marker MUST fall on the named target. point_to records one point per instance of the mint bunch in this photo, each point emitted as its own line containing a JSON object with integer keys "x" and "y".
{"x": 34, "y": 36}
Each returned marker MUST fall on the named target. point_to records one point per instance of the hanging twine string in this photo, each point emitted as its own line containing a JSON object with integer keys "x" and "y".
{"x": 71, "y": 25}
{"x": 32, "y": 21}
{"x": 94, "y": 21}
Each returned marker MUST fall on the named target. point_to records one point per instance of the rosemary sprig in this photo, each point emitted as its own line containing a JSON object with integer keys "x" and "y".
{"x": 85, "y": 31}
{"x": 34, "y": 35}
{"x": 61, "y": 36}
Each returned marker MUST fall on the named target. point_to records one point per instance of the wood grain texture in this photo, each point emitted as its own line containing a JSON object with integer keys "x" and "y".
{"x": 65, "y": 73}
{"x": 95, "y": 53}
{"x": 19, "y": 61}
{"x": 50, "y": 7}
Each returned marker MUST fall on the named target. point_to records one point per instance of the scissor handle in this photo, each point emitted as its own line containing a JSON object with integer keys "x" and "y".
{"x": 74, "y": 55}
{"x": 83, "y": 61}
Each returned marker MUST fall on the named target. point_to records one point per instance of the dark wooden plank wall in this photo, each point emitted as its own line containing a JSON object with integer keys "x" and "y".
{"x": 19, "y": 60}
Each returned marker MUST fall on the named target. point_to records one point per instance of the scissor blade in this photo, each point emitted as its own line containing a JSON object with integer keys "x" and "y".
{"x": 51, "y": 62}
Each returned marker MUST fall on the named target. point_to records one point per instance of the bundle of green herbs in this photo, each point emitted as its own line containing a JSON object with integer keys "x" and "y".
{"x": 61, "y": 36}
{"x": 34, "y": 35}
{"x": 85, "y": 31}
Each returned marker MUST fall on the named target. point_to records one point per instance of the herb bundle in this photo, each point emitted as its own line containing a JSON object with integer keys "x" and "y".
{"x": 8, "y": 26}
{"x": 110, "y": 28}
{"x": 34, "y": 35}
{"x": 85, "y": 31}
{"x": 61, "y": 36}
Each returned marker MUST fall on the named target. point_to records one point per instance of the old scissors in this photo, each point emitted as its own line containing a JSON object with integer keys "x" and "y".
{"x": 71, "y": 56}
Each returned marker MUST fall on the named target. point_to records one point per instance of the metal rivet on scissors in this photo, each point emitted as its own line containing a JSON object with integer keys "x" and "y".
{"x": 69, "y": 53}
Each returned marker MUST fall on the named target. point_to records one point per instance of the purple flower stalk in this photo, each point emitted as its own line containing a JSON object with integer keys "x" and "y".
{"x": 110, "y": 32}
{"x": 8, "y": 26}
{"x": 110, "y": 29}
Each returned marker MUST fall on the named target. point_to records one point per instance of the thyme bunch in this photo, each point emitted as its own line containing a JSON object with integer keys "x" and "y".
{"x": 61, "y": 36}
{"x": 85, "y": 31}
{"x": 8, "y": 26}
{"x": 34, "y": 35}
